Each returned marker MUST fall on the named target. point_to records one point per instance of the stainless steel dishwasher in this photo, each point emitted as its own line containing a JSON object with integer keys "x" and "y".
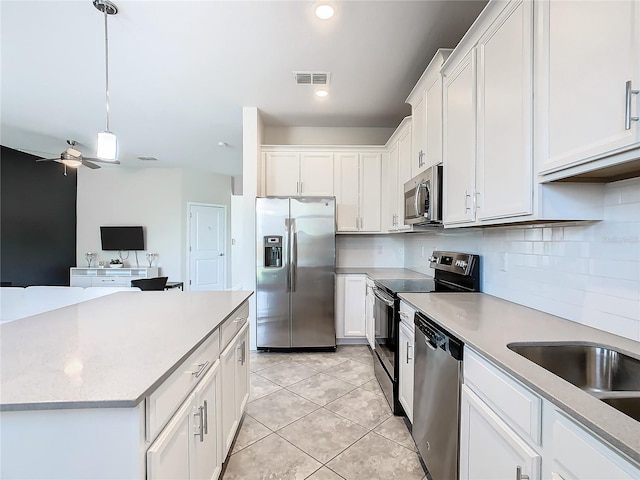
{"x": 436, "y": 398}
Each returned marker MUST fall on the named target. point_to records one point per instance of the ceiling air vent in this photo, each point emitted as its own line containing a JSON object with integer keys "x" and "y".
{"x": 312, "y": 78}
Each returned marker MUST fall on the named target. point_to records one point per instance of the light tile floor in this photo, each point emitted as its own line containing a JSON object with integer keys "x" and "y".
{"x": 320, "y": 416}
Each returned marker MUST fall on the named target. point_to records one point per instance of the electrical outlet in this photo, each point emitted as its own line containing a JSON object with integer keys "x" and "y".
{"x": 422, "y": 251}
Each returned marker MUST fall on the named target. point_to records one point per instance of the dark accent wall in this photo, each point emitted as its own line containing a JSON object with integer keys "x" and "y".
{"x": 37, "y": 220}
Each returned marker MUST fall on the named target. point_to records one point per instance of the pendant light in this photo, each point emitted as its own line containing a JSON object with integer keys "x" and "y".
{"x": 107, "y": 141}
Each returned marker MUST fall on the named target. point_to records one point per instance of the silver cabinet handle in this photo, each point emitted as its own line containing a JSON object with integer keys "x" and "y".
{"x": 408, "y": 347}
{"x": 520, "y": 475}
{"x": 477, "y": 200}
{"x": 404, "y": 315}
{"x": 627, "y": 110}
{"x": 201, "y": 368}
{"x": 466, "y": 196}
{"x": 244, "y": 352}
{"x": 199, "y": 428}
{"x": 205, "y": 420}
{"x": 221, "y": 255}
{"x": 301, "y": 187}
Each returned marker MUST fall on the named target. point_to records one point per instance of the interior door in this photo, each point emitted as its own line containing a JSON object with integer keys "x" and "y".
{"x": 207, "y": 247}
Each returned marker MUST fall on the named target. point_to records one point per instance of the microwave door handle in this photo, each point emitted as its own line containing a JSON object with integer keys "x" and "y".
{"x": 416, "y": 198}
{"x": 420, "y": 204}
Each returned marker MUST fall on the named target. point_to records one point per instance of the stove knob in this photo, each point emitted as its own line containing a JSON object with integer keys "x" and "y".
{"x": 461, "y": 263}
{"x": 433, "y": 259}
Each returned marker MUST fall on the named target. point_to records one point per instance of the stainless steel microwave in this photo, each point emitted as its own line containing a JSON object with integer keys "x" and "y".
{"x": 423, "y": 198}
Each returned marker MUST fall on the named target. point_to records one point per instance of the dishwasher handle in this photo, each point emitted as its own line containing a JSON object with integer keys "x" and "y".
{"x": 384, "y": 298}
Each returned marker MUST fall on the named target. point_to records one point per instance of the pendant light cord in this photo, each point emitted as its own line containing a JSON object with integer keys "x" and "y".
{"x": 106, "y": 56}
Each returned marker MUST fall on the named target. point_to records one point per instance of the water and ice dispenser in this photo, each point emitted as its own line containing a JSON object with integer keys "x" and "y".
{"x": 273, "y": 251}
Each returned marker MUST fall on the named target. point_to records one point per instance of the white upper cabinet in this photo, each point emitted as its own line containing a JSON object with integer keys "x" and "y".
{"x": 587, "y": 54}
{"x": 504, "y": 102}
{"x": 358, "y": 191}
{"x": 459, "y": 142}
{"x": 488, "y": 129}
{"x": 298, "y": 173}
{"x": 426, "y": 114}
{"x": 395, "y": 175}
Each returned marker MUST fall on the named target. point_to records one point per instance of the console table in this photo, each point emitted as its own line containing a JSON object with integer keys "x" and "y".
{"x": 112, "y": 277}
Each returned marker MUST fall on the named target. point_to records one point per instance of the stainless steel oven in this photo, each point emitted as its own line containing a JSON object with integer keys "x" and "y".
{"x": 454, "y": 272}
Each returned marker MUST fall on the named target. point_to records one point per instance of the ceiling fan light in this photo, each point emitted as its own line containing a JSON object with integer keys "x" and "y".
{"x": 107, "y": 146}
{"x": 70, "y": 162}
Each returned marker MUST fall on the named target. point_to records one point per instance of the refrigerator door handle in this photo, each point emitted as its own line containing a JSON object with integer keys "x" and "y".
{"x": 294, "y": 255}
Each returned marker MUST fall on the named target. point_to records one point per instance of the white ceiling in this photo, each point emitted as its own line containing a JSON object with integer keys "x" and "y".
{"x": 181, "y": 71}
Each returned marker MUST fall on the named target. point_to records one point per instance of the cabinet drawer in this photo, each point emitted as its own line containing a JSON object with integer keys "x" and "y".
{"x": 163, "y": 402}
{"x": 407, "y": 312}
{"x": 578, "y": 454}
{"x": 518, "y": 406}
{"x": 233, "y": 324}
{"x": 111, "y": 281}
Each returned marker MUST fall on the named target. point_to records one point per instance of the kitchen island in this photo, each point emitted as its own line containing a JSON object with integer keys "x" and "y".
{"x": 86, "y": 389}
{"x": 487, "y": 324}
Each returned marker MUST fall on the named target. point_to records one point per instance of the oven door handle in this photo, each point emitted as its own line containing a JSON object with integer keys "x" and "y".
{"x": 382, "y": 297}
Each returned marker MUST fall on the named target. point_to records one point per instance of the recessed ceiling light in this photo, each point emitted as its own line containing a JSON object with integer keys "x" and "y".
{"x": 321, "y": 92}
{"x": 324, "y": 11}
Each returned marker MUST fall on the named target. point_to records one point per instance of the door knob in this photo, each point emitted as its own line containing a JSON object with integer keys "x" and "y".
{"x": 221, "y": 255}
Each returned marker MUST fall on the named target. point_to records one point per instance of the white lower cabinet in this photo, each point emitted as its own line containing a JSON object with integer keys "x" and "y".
{"x": 406, "y": 345}
{"x": 351, "y": 292}
{"x": 507, "y": 431}
{"x": 188, "y": 447}
{"x": 492, "y": 450}
{"x": 235, "y": 385}
{"x": 370, "y": 321}
{"x": 577, "y": 454}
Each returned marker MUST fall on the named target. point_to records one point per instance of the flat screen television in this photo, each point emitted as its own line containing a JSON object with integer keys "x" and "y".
{"x": 122, "y": 238}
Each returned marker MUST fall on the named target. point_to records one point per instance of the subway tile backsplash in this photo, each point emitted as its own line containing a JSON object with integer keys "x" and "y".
{"x": 585, "y": 272}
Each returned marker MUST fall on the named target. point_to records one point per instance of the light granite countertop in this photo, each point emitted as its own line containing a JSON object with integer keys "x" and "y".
{"x": 488, "y": 324}
{"x": 382, "y": 273}
{"x": 107, "y": 352}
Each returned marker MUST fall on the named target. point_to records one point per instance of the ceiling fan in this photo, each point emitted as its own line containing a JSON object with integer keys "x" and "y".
{"x": 72, "y": 157}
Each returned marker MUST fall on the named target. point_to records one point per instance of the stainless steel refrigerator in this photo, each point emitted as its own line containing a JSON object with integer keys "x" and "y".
{"x": 295, "y": 283}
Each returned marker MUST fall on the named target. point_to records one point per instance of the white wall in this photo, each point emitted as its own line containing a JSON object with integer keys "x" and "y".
{"x": 379, "y": 251}
{"x": 152, "y": 197}
{"x": 588, "y": 273}
{"x": 326, "y": 135}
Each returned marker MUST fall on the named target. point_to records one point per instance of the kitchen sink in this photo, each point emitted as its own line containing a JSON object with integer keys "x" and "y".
{"x": 591, "y": 367}
{"x": 628, "y": 405}
{"x": 605, "y": 373}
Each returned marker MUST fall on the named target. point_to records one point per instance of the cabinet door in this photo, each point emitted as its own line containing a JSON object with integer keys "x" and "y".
{"x": 391, "y": 215}
{"x": 371, "y": 192}
{"x": 433, "y": 118}
{"x": 354, "y": 305}
{"x": 168, "y": 456}
{"x": 505, "y": 158}
{"x": 405, "y": 384}
{"x": 242, "y": 371}
{"x": 460, "y": 142}
{"x": 228, "y": 397}
{"x": 579, "y": 455}
{"x": 404, "y": 173}
{"x": 206, "y": 459}
{"x": 282, "y": 174}
{"x": 316, "y": 174}
{"x": 489, "y": 449}
{"x": 347, "y": 190}
{"x": 419, "y": 129}
{"x": 581, "y": 80}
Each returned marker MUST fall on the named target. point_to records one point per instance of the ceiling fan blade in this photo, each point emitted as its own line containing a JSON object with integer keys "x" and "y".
{"x": 89, "y": 164}
{"x": 48, "y": 159}
{"x": 97, "y": 160}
